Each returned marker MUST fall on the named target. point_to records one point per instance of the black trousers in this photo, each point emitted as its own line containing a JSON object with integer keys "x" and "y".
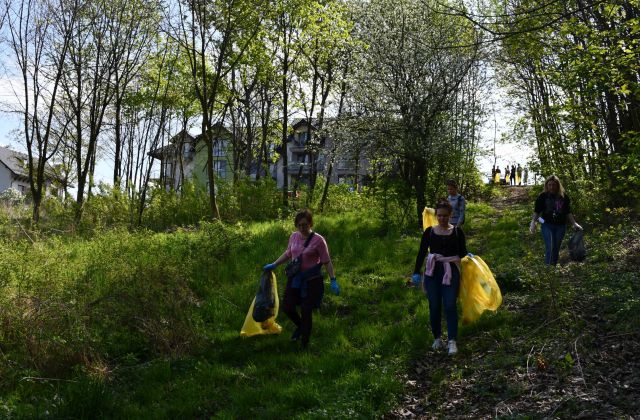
{"x": 292, "y": 299}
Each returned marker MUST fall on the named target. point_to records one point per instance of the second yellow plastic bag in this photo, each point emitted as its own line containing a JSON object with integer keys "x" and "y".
{"x": 270, "y": 326}
{"x": 479, "y": 290}
{"x": 428, "y": 218}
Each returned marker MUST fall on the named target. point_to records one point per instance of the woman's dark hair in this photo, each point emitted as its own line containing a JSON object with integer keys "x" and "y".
{"x": 452, "y": 182}
{"x": 303, "y": 214}
{"x": 444, "y": 204}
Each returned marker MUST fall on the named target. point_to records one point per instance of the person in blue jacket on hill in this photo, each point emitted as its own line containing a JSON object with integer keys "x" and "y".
{"x": 441, "y": 249}
{"x": 458, "y": 203}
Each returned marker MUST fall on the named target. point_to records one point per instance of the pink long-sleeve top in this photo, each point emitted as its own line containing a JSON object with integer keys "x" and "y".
{"x": 317, "y": 252}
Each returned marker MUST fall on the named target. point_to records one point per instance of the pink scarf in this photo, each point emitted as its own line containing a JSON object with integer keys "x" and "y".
{"x": 431, "y": 264}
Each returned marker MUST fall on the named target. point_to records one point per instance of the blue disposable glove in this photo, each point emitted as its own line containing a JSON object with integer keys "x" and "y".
{"x": 470, "y": 255}
{"x": 334, "y": 286}
{"x": 415, "y": 278}
{"x": 269, "y": 267}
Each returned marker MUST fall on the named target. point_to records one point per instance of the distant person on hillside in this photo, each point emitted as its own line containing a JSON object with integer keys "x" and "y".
{"x": 525, "y": 178}
{"x": 305, "y": 288}
{"x": 441, "y": 248}
{"x": 519, "y": 174}
{"x": 458, "y": 203}
{"x": 552, "y": 210}
{"x": 513, "y": 175}
{"x": 493, "y": 174}
{"x": 497, "y": 176}
{"x": 507, "y": 174}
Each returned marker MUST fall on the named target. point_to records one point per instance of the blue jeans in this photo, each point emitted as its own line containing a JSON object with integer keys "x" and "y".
{"x": 552, "y": 235}
{"x": 439, "y": 294}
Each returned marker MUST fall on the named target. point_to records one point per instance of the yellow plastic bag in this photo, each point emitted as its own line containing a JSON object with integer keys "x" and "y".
{"x": 270, "y": 326}
{"x": 479, "y": 290}
{"x": 428, "y": 218}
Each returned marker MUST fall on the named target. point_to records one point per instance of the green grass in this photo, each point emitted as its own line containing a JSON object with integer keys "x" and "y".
{"x": 146, "y": 325}
{"x": 351, "y": 368}
{"x": 522, "y": 360}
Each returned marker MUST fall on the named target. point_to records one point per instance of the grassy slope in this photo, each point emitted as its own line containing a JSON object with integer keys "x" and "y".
{"x": 361, "y": 338}
{"x": 355, "y": 351}
{"x": 562, "y": 343}
{"x": 369, "y": 352}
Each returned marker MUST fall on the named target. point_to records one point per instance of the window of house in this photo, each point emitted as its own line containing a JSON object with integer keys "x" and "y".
{"x": 343, "y": 163}
{"x": 220, "y": 168}
{"x": 22, "y": 189}
{"x": 302, "y": 137}
{"x": 187, "y": 150}
{"x": 168, "y": 169}
{"x": 220, "y": 148}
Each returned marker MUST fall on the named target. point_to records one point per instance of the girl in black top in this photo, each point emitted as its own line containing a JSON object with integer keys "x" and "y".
{"x": 446, "y": 245}
{"x": 552, "y": 210}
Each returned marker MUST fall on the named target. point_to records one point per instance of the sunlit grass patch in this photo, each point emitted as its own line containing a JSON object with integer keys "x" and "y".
{"x": 147, "y": 324}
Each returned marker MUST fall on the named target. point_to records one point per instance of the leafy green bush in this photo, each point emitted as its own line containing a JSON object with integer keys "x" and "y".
{"x": 14, "y": 220}
{"x": 166, "y": 209}
{"x": 109, "y": 207}
{"x": 54, "y": 214}
{"x": 245, "y": 199}
{"x": 11, "y": 196}
{"x": 389, "y": 201}
{"x": 487, "y": 192}
{"x": 475, "y": 186}
{"x": 118, "y": 296}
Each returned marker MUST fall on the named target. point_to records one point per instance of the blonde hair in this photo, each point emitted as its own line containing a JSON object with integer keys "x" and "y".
{"x": 556, "y": 180}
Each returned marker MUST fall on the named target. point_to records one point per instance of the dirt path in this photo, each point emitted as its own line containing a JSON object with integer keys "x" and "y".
{"x": 514, "y": 195}
{"x": 572, "y": 362}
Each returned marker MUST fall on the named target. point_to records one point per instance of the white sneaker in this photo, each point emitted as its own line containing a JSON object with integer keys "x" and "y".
{"x": 453, "y": 348}
{"x": 437, "y": 344}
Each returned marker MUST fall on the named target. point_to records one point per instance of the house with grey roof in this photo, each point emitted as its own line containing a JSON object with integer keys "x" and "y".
{"x": 185, "y": 158}
{"x": 14, "y": 172}
{"x": 302, "y": 164}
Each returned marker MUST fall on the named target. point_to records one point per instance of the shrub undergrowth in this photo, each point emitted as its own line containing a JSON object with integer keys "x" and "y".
{"x": 144, "y": 323}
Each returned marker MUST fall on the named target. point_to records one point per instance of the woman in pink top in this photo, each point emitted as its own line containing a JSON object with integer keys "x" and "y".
{"x": 307, "y": 288}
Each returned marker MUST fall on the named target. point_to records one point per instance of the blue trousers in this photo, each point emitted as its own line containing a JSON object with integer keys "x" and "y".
{"x": 552, "y": 235}
{"x": 440, "y": 295}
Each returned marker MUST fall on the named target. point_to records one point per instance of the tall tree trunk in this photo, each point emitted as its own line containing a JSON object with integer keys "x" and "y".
{"x": 285, "y": 121}
{"x": 117, "y": 159}
{"x": 265, "y": 119}
{"x": 343, "y": 95}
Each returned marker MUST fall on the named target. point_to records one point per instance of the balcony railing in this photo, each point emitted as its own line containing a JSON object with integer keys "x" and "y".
{"x": 350, "y": 170}
{"x": 296, "y": 148}
{"x": 295, "y": 166}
